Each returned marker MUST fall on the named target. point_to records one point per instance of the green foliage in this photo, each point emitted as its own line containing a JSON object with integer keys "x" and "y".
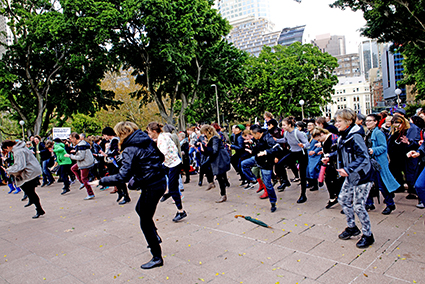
{"x": 400, "y": 22}
{"x": 82, "y": 123}
{"x": 56, "y": 61}
{"x": 283, "y": 75}
{"x": 175, "y": 48}
{"x": 411, "y": 109}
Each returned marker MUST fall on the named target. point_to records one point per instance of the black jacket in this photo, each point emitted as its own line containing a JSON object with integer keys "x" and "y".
{"x": 141, "y": 160}
{"x": 218, "y": 156}
{"x": 268, "y": 144}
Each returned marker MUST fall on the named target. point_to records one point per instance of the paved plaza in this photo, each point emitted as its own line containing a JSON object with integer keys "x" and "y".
{"x": 99, "y": 241}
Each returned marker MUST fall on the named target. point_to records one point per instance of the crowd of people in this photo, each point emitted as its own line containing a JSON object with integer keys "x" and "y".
{"x": 355, "y": 156}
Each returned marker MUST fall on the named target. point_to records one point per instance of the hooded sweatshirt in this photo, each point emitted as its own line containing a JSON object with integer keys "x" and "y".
{"x": 26, "y": 166}
{"x": 59, "y": 149}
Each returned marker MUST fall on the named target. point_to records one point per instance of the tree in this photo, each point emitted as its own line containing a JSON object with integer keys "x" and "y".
{"x": 401, "y": 22}
{"x": 283, "y": 75}
{"x": 167, "y": 43}
{"x": 57, "y": 58}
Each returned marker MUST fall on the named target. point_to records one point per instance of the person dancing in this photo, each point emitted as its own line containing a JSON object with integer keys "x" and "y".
{"x": 142, "y": 166}
{"x": 26, "y": 171}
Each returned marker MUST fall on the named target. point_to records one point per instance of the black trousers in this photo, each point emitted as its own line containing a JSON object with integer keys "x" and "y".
{"x": 222, "y": 181}
{"x": 145, "y": 208}
{"x": 65, "y": 172}
{"x": 29, "y": 189}
{"x": 333, "y": 183}
{"x": 205, "y": 169}
{"x": 302, "y": 159}
{"x": 122, "y": 187}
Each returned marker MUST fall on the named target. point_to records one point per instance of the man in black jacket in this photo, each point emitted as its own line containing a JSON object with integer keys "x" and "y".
{"x": 265, "y": 151}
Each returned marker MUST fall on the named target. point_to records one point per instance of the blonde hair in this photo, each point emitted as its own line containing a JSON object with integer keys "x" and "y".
{"x": 399, "y": 119}
{"x": 319, "y": 130}
{"x": 347, "y": 114}
{"x": 209, "y": 132}
{"x": 124, "y": 129}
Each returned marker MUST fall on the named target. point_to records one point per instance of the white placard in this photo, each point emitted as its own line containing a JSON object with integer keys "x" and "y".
{"x": 61, "y": 132}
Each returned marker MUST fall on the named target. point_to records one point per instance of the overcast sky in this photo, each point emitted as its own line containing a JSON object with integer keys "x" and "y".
{"x": 319, "y": 19}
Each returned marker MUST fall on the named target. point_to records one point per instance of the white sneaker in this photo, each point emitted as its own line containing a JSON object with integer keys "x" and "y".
{"x": 420, "y": 205}
{"x": 89, "y": 197}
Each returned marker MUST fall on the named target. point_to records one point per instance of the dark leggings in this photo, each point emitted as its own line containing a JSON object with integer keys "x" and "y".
{"x": 302, "y": 159}
{"x": 333, "y": 183}
{"x": 29, "y": 189}
{"x": 145, "y": 208}
{"x": 222, "y": 181}
{"x": 173, "y": 175}
{"x": 206, "y": 170}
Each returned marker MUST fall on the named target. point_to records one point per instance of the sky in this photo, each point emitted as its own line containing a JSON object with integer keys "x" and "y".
{"x": 319, "y": 19}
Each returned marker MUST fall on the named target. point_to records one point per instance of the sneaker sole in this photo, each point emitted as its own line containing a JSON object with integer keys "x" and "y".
{"x": 356, "y": 234}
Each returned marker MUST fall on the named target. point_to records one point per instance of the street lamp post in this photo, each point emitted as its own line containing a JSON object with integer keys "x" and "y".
{"x": 302, "y": 102}
{"x": 23, "y": 133}
{"x": 398, "y": 92}
{"x": 216, "y": 99}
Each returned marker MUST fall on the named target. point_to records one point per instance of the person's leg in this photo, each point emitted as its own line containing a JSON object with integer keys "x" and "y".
{"x": 420, "y": 186}
{"x": 209, "y": 173}
{"x": 76, "y": 172}
{"x": 267, "y": 179}
{"x": 145, "y": 208}
{"x": 29, "y": 189}
{"x": 361, "y": 192}
{"x": 85, "y": 181}
{"x": 221, "y": 178}
{"x": 303, "y": 162}
{"x": 44, "y": 169}
{"x": 246, "y": 166}
{"x": 173, "y": 185}
{"x": 411, "y": 174}
{"x": 345, "y": 199}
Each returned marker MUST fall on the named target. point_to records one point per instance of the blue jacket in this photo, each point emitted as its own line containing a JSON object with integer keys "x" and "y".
{"x": 379, "y": 147}
{"x": 313, "y": 167}
{"x": 353, "y": 156}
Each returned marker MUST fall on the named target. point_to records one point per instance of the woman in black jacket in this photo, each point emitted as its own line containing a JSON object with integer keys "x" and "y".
{"x": 141, "y": 162}
{"x": 218, "y": 158}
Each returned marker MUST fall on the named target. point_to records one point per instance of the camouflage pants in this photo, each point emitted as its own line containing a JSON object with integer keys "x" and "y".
{"x": 353, "y": 199}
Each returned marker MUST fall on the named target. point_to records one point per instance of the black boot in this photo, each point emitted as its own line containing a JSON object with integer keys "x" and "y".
{"x": 120, "y": 195}
{"x": 24, "y": 197}
{"x": 40, "y": 212}
{"x": 365, "y": 241}
{"x": 154, "y": 262}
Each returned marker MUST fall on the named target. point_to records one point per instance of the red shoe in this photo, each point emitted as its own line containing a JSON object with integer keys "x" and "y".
{"x": 262, "y": 185}
{"x": 265, "y": 195}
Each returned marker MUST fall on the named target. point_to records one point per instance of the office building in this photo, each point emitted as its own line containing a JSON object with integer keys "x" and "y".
{"x": 392, "y": 73}
{"x": 370, "y": 52}
{"x": 236, "y": 11}
{"x": 350, "y": 92}
{"x": 334, "y": 45}
{"x": 3, "y": 36}
{"x": 348, "y": 65}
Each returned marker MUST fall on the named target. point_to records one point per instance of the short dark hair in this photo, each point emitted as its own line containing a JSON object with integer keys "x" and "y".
{"x": 256, "y": 128}
{"x": 8, "y": 143}
{"x": 375, "y": 116}
{"x": 75, "y": 135}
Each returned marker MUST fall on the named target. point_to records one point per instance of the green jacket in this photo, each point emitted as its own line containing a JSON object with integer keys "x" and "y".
{"x": 59, "y": 149}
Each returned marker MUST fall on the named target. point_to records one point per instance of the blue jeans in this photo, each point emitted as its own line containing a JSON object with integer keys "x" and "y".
{"x": 246, "y": 167}
{"x": 47, "y": 174}
{"x": 267, "y": 179}
{"x": 420, "y": 186}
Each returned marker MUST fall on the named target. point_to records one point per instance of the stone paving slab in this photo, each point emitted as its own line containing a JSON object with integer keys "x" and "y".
{"x": 99, "y": 241}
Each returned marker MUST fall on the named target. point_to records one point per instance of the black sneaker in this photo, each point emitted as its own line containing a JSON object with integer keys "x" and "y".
{"x": 250, "y": 185}
{"x": 370, "y": 207}
{"x": 295, "y": 179}
{"x": 243, "y": 183}
{"x": 65, "y": 190}
{"x": 388, "y": 209}
{"x": 365, "y": 241}
{"x": 180, "y": 216}
{"x": 273, "y": 208}
{"x": 331, "y": 203}
{"x": 281, "y": 187}
{"x": 349, "y": 232}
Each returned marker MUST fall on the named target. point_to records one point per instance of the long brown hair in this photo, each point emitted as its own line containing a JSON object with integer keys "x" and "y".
{"x": 404, "y": 124}
{"x": 124, "y": 129}
{"x": 209, "y": 132}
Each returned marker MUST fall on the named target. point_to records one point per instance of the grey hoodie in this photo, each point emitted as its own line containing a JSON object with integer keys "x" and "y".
{"x": 26, "y": 166}
{"x": 83, "y": 155}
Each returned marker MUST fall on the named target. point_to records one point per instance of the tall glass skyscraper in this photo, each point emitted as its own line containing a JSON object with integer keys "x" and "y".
{"x": 236, "y": 10}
